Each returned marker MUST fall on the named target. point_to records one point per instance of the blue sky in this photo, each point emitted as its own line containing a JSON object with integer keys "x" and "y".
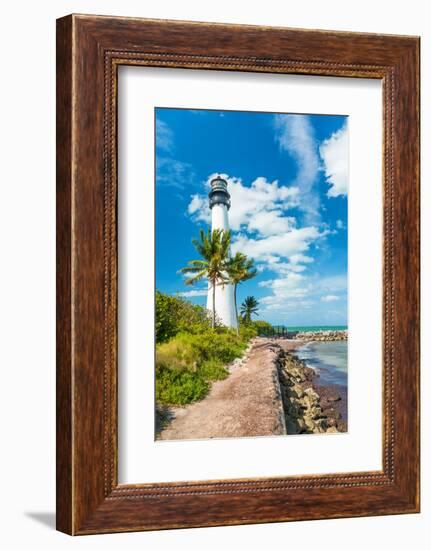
{"x": 287, "y": 175}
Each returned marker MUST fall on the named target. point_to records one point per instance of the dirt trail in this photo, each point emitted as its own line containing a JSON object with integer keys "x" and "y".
{"x": 247, "y": 403}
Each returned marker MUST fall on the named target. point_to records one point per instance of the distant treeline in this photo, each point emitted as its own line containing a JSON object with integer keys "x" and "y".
{"x": 266, "y": 329}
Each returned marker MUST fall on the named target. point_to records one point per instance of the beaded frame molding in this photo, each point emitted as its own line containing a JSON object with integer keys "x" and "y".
{"x": 89, "y": 51}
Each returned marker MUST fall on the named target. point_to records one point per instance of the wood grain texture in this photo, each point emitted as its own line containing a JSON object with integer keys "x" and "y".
{"x": 64, "y": 497}
{"x": 90, "y": 49}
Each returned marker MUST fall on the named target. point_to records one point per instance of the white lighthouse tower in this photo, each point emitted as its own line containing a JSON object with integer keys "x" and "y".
{"x": 219, "y": 199}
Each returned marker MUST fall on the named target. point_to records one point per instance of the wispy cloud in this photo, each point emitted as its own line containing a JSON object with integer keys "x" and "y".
{"x": 335, "y": 155}
{"x": 174, "y": 173}
{"x": 330, "y": 298}
{"x": 301, "y": 258}
{"x": 193, "y": 293}
{"x": 164, "y": 136}
{"x": 295, "y": 136}
{"x": 170, "y": 171}
{"x": 293, "y": 291}
{"x": 333, "y": 284}
{"x": 297, "y": 290}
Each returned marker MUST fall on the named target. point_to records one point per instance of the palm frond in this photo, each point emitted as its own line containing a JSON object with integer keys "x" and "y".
{"x": 198, "y": 277}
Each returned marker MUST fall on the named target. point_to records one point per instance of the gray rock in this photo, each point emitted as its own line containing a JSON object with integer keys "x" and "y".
{"x": 333, "y": 398}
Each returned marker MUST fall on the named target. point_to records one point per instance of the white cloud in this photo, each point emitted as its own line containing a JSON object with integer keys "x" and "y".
{"x": 335, "y": 155}
{"x": 290, "y": 281}
{"x": 340, "y": 225}
{"x": 283, "y": 268}
{"x": 263, "y": 230}
{"x": 332, "y": 284}
{"x": 164, "y": 136}
{"x": 287, "y": 295}
{"x": 258, "y": 208}
{"x": 290, "y": 244}
{"x": 289, "y": 292}
{"x": 301, "y": 258}
{"x": 170, "y": 171}
{"x": 295, "y": 135}
{"x": 295, "y": 291}
{"x": 270, "y": 222}
{"x": 330, "y": 298}
{"x": 174, "y": 173}
{"x": 193, "y": 293}
{"x": 199, "y": 209}
{"x": 290, "y": 286}
{"x": 273, "y": 304}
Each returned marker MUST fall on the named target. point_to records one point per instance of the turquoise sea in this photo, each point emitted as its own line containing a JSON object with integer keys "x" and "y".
{"x": 329, "y": 359}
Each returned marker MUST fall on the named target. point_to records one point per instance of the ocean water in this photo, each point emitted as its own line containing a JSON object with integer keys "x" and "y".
{"x": 329, "y": 359}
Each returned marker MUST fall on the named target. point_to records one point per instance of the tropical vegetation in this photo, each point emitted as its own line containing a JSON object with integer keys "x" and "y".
{"x": 213, "y": 246}
{"x": 239, "y": 269}
{"x": 190, "y": 353}
{"x": 249, "y": 307}
{"x": 192, "y": 346}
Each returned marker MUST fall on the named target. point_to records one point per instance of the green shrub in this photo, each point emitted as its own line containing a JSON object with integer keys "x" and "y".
{"x": 179, "y": 387}
{"x": 174, "y": 314}
{"x": 262, "y": 327}
{"x": 213, "y": 370}
{"x": 189, "y": 354}
{"x": 213, "y": 345}
{"x": 186, "y": 364}
{"x": 261, "y": 324}
{"x": 177, "y": 354}
{"x": 247, "y": 332}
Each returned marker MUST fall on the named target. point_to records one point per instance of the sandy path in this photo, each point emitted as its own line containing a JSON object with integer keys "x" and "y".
{"x": 246, "y": 404}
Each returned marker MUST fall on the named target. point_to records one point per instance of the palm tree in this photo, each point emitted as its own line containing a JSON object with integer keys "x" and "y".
{"x": 213, "y": 246}
{"x": 248, "y": 308}
{"x": 239, "y": 269}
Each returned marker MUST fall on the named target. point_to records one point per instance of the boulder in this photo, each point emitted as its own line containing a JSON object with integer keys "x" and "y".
{"x": 309, "y": 423}
{"x": 298, "y": 391}
{"x": 333, "y": 398}
{"x": 332, "y": 430}
{"x": 331, "y": 413}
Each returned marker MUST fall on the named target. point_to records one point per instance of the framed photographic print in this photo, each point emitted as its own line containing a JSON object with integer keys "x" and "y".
{"x": 237, "y": 274}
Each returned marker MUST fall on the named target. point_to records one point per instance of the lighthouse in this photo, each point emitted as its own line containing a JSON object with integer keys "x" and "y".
{"x": 219, "y": 202}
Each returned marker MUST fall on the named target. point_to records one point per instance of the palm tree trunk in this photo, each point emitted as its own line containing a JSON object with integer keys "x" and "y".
{"x": 213, "y": 319}
{"x": 236, "y": 309}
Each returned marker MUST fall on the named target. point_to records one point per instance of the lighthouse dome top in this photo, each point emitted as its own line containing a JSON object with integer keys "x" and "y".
{"x": 219, "y": 193}
{"x": 218, "y": 181}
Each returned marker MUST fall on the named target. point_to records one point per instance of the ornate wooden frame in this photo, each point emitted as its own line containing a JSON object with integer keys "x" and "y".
{"x": 89, "y": 51}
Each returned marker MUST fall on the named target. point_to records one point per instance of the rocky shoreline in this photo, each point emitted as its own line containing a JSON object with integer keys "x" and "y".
{"x": 269, "y": 392}
{"x": 322, "y": 336}
{"x": 308, "y": 406}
